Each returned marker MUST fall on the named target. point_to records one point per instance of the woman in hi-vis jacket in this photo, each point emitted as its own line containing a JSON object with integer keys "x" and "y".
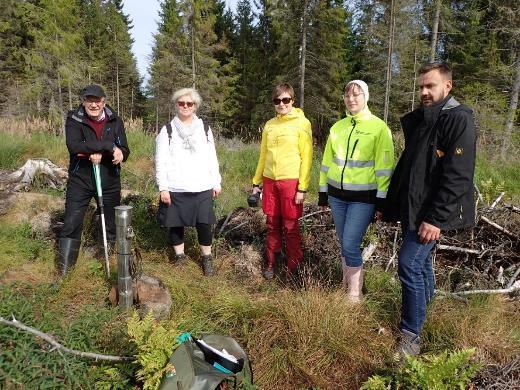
{"x": 357, "y": 164}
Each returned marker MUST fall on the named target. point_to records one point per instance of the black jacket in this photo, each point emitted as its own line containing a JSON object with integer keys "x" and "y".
{"x": 434, "y": 176}
{"x": 81, "y": 140}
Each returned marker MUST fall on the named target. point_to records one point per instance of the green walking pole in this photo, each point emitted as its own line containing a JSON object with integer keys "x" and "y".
{"x": 97, "y": 177}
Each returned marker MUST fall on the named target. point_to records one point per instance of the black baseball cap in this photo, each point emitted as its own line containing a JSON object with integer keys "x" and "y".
{"x": 93, "y": 90}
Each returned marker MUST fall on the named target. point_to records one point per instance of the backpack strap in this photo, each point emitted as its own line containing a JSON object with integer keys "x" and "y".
{"x": 169, "y": 131}
{"x": 206, "y": 129}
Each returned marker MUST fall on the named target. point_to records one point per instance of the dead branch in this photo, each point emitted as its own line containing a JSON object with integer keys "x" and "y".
{"x": 497, "y": 226}
{"x": 394, "y": 252}
{"x": 496, "y": 201}
{"x": 57, "y": 346}
{"x": 509, "y": 290}
{"x": 236, "y": 227}
{"x": 314, "y": 213}
{"x": 512, "y": 208}
{"x": 479, "y": 194}
{"x": 513, "y": 278}
{"x": 368, "y": 251}
{"x": 225, "y": 222}
{"x": 457, "y": 249}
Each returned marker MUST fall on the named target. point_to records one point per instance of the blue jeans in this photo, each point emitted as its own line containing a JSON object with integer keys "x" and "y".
{"x": 417, "y": 280}
{"x": 351, "y": 220}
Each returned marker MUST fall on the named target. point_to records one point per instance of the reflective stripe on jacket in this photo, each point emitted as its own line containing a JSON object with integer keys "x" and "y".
{"x": 358, "y": 157}
{"x": 286, "y": 149}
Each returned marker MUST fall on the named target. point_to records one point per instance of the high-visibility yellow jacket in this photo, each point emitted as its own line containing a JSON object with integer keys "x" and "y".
{"x": 286, "y": 149}
{"x": 358, "y": 160}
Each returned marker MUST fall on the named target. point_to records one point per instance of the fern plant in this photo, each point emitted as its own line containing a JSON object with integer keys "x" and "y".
{"x": 445, "y": 371}
{"x": 155, "y": 344}
{"x": 490, "y": 190}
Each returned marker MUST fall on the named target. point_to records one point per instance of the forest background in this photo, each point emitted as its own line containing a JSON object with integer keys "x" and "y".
{"x": 49, "y": 49}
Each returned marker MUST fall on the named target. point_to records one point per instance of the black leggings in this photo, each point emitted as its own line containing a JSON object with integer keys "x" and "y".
{"x": 203, "y": 234}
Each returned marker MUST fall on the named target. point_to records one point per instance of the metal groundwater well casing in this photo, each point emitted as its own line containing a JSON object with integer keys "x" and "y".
{"x": 124, "y": 235}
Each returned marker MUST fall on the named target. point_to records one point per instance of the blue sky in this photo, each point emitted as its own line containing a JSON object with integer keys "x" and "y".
{"x": 145, "y": 15}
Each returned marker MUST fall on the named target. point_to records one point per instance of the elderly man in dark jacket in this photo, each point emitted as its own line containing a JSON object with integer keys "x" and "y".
{"x": 431, "y": 190}
{"x": 94, "y": 135}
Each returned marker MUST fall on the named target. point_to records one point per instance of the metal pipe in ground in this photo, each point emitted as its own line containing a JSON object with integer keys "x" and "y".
{"x": 124, "y": 235}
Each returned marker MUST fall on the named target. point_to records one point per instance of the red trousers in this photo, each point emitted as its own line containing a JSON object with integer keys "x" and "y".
{"x": 282, "y": 215}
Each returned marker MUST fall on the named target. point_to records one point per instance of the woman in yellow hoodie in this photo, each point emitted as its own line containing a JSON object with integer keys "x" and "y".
{"x": 284, "y": 169}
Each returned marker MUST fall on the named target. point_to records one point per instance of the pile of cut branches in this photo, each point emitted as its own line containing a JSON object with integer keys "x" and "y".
{"x": 486, "y": 257}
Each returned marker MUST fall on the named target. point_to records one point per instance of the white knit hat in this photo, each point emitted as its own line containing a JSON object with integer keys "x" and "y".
{"x": 362, "y": 85}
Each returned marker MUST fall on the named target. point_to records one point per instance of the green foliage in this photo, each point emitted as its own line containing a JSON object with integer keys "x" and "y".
{"x": 498, "y": 176}
{"x": 19, "y": 244}
{"x": 11, "y": 153}
{"x": 489, "y": 190}
{"x": 149, "y": 234}
{"x": 155, "y": 344}
{"x": 27, "y": 362}
{"x": 138, "y": 172}
{"x": 445, "y": 371}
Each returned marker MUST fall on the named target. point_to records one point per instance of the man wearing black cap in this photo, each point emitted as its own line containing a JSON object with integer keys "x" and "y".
{"x": 94, "y": 135}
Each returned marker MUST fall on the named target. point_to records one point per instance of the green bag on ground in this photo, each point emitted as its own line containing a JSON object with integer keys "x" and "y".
{"x": 196, "y": 367}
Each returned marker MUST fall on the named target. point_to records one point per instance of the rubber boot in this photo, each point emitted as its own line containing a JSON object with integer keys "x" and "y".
{"x": 269, "y": 267}
{"x": 207, "y": 265}
{"x": 344, "y": 282}
{"x": 68, "y": 255}
{"x": 355, "y": 283}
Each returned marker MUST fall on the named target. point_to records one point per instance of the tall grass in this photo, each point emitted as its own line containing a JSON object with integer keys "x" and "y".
{"x": 296, "y": 338}
{"x": 11, "y": 152}
{"x": 504, "y": 175}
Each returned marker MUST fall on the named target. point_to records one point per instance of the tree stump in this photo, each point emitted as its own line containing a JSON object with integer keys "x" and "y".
{"x": 150, "y": 295}
{"x": 21, "y": 179}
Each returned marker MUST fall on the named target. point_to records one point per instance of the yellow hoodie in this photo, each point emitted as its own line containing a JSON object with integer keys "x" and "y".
{"x": 286, "y": 149}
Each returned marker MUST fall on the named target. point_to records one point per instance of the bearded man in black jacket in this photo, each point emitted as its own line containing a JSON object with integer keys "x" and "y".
{"x": 431, "y": 190}
{"x": 94, "y": 135}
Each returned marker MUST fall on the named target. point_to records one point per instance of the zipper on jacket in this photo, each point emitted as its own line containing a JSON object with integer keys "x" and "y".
{"x": 353, "y": 121}
{"x": 76, "y": 167}
{"x": 354, "y": 148}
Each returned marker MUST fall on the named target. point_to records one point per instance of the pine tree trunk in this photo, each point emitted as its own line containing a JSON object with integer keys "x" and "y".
{"x": 414, "y": 74}
{"x": 60, "y": 105}
{"x": 117, "y": 86}
{"x": 303, "y": 54}
{"x": 389, "y": 61}
{"x": 70, "y": 94}
{"x": 513, "y": 105}
{"x": 435, "y": 30}
{"x": 193, "y": 43}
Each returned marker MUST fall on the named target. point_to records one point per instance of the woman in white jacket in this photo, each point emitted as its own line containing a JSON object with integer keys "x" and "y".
{"x": 188, "y": 177}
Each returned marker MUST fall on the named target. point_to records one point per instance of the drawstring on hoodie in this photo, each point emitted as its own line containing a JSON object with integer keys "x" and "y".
{"x": 353, "y": 122}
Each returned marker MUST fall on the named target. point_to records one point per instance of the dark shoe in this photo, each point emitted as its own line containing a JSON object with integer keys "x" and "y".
{"x": 68, "y": 254}
{"x": 207, "y": 265}
{"x": 176, "y": 258}
{"x": 408, "y": 344}
{"x": 268, "y": 274}
{"x": 180, "y": 259}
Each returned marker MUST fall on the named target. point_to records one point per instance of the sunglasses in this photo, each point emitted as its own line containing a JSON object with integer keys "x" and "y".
{"x": 184, "y": 104}
{"x": 285, "y": 100}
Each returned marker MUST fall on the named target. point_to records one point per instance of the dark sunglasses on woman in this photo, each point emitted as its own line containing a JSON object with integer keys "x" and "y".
{"x": 285, "y": 100}
{"x": 184, "y": 104}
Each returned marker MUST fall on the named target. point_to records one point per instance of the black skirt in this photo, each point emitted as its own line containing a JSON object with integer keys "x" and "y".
{"x": 187, "y": 209}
